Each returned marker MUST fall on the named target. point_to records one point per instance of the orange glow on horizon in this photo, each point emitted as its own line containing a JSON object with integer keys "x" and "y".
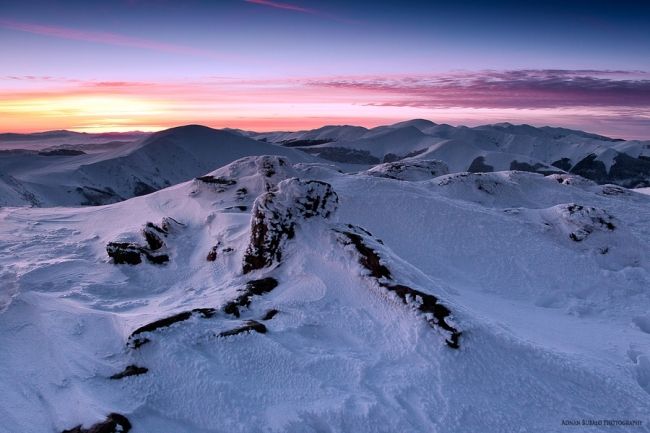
{"x": 262, "y": 105}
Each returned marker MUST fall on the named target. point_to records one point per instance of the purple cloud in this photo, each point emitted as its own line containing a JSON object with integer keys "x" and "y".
{"x": 301, "y": 9}
{"x": 505, "y": 89}
{"x": 104, "y": 38}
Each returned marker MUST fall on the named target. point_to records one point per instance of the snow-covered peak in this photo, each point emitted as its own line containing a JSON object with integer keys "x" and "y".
{"x": 411, "y": 170}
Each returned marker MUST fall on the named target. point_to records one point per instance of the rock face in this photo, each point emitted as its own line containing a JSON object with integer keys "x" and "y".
{"x": 253, "y": 288}
{"x": 130, "y": 370}
{"x": 248, "y": 326}
{"x": 275, "y": 216}
{"x": 410, "y": 170}
{"x": 115, "y": 423}
{"x": 435, "y": 313}
{"x": 248, "y": 176}
{"x": 581, "y": 221}
{"x": 154, "y": 251}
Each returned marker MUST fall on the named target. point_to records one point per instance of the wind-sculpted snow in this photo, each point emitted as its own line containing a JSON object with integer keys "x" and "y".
{"x": 409, "y": 170}
{"x": 275, "y": 216}
{"x": 476, "y": 305}
{"x": 435, "y": 313}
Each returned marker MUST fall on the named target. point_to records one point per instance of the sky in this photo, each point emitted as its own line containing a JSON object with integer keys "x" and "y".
{"x": 124, "y": 65}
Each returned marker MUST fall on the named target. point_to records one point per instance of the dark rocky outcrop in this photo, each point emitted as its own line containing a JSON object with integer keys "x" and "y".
{"x": 212, "y": 254}
{"x": 253, "y": 287}
{"x": 369, "y": 258}
{"x": 270, "y": 314}
{"x": 216, "y": 180}
{"x": 134, "y": 341}
{"x": 410, "y": 170}
{"x": 248, "y": 326}
{"x": 130, "y": 370}
{"x": 436, "y": 314}
{"x": 154, "y": 235}
{"x": 114, "y": 423}
{"x": 276, "y": 213}
{"x": 124, "y": 253}
{"x": 586, "y": 220}
{"x": 427, "y": 304}
{"x": 615, "y": 190}
{"x": 484, "y": 182}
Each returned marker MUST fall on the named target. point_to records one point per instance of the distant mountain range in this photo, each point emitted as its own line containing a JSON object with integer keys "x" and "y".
{"x": 69, "y": 168}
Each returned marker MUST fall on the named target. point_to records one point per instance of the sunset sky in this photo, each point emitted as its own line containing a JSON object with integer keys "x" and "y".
{"x": 265, "y": 65}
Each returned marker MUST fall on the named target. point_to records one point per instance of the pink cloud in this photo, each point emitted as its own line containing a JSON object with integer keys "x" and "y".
{"x": 285, "y": 6}
{"x": 296, "y": 8}
{"x": 502, "y": 89}
{"x": 105, "y": 38}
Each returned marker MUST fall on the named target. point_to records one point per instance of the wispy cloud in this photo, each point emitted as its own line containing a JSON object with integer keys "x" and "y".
{"x": 105, "y": 38}
{"x": 296, "y": 8}
{"x": 613, "y": 103}
{"x": 503, "y": 89}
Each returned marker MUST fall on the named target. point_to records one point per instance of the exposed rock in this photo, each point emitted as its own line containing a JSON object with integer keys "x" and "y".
{"x": 369, "y": 258}
{"x": 167, "y": 321}
{"x": 276, "y": 213}
{"x": 154, "y": 235}
{"x": 410, "y": 170}
{"x": 124, "y": 253}
{"x": 578, "y": 221}
{"x": 114, "y": 423}
{"x": 253, "y": 287}
{"x": 436, "y": 314}
{"x": 248, "y": 326}
{"x": 483, "y": 182}
{"x": 130, "y": 370}
{"x": 615, "y": 190}
{"x": 571, "y": 179}
{"x": 212, "y": 255}
{"x": 216, "y": 180}
{"x": 270, "y": 314}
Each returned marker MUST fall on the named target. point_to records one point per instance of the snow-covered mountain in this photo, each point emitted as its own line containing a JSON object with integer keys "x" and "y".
{"x": 284, "y": 296}
{"x": 63, "y": 168}
{"x": 485, "y": 148}
{"x": 115, "y": 173}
